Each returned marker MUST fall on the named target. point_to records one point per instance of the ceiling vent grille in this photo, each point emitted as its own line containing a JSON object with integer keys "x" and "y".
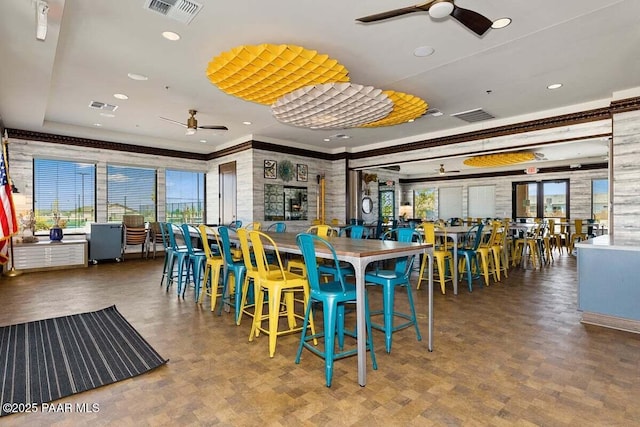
{"x": 102, "y": 106}
{"x": 179, "y": 10}
{"x": 472, "y": 116}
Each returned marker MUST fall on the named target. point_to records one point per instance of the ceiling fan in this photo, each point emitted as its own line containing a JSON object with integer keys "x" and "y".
{"x": 439, "y": 9}
{"x": 192, "y": 124}
{"x": 441, "y": 171}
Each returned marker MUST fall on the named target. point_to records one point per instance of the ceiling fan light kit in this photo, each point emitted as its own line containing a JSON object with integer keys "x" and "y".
{"x": 441, "y": 9}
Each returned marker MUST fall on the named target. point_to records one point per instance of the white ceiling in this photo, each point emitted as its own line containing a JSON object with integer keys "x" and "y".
{"x": 591, "y": 46}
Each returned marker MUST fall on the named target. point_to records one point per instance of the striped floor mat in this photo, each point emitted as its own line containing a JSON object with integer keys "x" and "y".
{"x": 49, "y": 359}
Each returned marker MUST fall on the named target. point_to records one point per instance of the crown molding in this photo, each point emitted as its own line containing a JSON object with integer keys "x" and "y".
{"x": 519, "y": 172}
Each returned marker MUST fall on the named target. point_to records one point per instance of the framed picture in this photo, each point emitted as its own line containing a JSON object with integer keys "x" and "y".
{"x": 302, "y": 172}
{"x": 270, "y": 168}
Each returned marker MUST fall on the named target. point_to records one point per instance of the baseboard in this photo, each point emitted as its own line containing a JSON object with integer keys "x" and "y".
{"x": 611, "y": 322}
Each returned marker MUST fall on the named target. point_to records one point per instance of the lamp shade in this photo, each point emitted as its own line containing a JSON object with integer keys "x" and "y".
{"x": 332, "y": 106}
{"x": 499, "y": 159}
{"x": 405, "y": 107}
{"x": 263, "y": 73}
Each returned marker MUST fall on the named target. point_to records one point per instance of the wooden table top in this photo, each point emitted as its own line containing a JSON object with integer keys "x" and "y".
{"x": 345, "y": 246}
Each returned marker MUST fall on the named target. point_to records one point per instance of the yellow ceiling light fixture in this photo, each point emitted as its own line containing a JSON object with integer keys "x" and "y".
{"x": 263, "y": 73}
{"x": 406, "y": 107}
{"x": 332, "y": 106}
{"x": 500, "y": 159}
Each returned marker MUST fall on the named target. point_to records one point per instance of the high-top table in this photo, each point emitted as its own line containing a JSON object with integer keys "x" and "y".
{"x": 453, "y": 232}
{"x": 360, "y": 253}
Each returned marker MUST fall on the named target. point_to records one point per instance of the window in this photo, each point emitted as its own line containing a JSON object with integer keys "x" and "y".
{"x": 66, "y": 188}
{"x": 544, "y": 199}
{"x": 450, "y": 202}
{"x": 184, "y": 196}
{"x": 130, "y": 191}
{"x": 482, "y": 201}
{"x": 387, "y": 204}
{"x": 600, "y": 199}
{"x": 425, "y": 203}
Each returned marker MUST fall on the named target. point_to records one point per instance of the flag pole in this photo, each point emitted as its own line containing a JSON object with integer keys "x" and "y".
{"x": 12, "y": 272}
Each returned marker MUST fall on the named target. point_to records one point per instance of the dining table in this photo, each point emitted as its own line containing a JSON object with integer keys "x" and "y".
{"x": 455, "y": 232}
{"x": 360, "y": 253}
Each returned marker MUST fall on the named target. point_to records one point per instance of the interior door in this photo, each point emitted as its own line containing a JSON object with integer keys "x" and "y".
{"x": 228, "y": 195}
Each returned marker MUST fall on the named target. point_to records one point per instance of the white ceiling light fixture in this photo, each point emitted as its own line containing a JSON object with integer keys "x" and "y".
{"x": 246, "y": 123}
{"x": 554, "y": 86}
{"x": 120, "y": 96}
{"x": 170, "y": 35}
{"x": 139, "y": 77}
{"x": 42, "y": 9}
{"x": 423, "y": 51}
{"x": 441, "y": 9}
{"x": 332, "y": 106}
{"x": 500, "y": 23}
{"x": 190, "y": 131}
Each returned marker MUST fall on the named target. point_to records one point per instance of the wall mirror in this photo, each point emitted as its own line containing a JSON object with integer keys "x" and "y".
{"x": 285, "y": 203}
{"x": 367, "y": 205}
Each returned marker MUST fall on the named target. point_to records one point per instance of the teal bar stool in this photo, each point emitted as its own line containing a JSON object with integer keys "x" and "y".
{"x": 468, "y": 254}
{"x": 333, "y": 296}
{"x": 178, "y": 258}
{"x": 237, "y": 268}
{"x": 197, "y": 258}
{"x": 399, "y": 277}
{"x": 277, "y": 227}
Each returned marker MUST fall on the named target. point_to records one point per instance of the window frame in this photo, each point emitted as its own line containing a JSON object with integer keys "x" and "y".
{"x": 86, "y": 189}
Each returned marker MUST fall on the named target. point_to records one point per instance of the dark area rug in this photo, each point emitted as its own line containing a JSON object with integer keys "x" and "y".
{"x": 45, "y": 360}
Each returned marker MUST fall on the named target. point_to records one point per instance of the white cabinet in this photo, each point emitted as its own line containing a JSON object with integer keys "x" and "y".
{"x": 50, "y": 255}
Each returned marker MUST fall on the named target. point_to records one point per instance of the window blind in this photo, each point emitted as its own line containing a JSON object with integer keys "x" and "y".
{"x": 130, "y": 191}
{"x": 66, "y": 189}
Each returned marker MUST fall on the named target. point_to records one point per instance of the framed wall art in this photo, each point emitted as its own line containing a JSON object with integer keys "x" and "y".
{"x": 302, "y": 172}
{"x": 270, "y": 169}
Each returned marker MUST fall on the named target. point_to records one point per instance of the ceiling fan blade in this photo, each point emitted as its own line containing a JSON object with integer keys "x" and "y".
{"x": 173, "y": 121}
{"x": 214, "y": 127}
{"x": 472, "y": 20}
{"x": 396, "y": 12}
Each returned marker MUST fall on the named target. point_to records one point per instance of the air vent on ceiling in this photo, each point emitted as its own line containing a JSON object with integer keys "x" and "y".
{"x": 179, "y": 10}
{"x": 102, "y": 106}
{"x": 471, "y": 116}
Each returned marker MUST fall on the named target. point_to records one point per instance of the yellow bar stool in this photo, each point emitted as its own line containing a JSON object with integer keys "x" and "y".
{"x": 276, "y": 284}
{"x": 442, "y": 254}
{"x": 485, "y": 253}
{"x": 211, "y": 285}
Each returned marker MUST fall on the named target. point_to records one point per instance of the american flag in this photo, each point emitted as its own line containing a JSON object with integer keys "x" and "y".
{"x": 8, "y": 223}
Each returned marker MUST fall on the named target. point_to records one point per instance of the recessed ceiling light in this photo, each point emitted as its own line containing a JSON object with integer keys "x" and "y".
{"x": 134, "y": 76}
{"x": 107, "y": 115}
{"x": 554, "y": 86}
{"x": 500, "y": 23}
{"x": 423, "y": 51}
{"x": 120, "y": 96}
{"x": 170, "y": 35}
{"x": 97, "y": 124}
{"x": 411, "y": 120}
{"x": 246, "y": 123}
{"x": 203, "y": 140}
{"x": 326, "y": 140}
